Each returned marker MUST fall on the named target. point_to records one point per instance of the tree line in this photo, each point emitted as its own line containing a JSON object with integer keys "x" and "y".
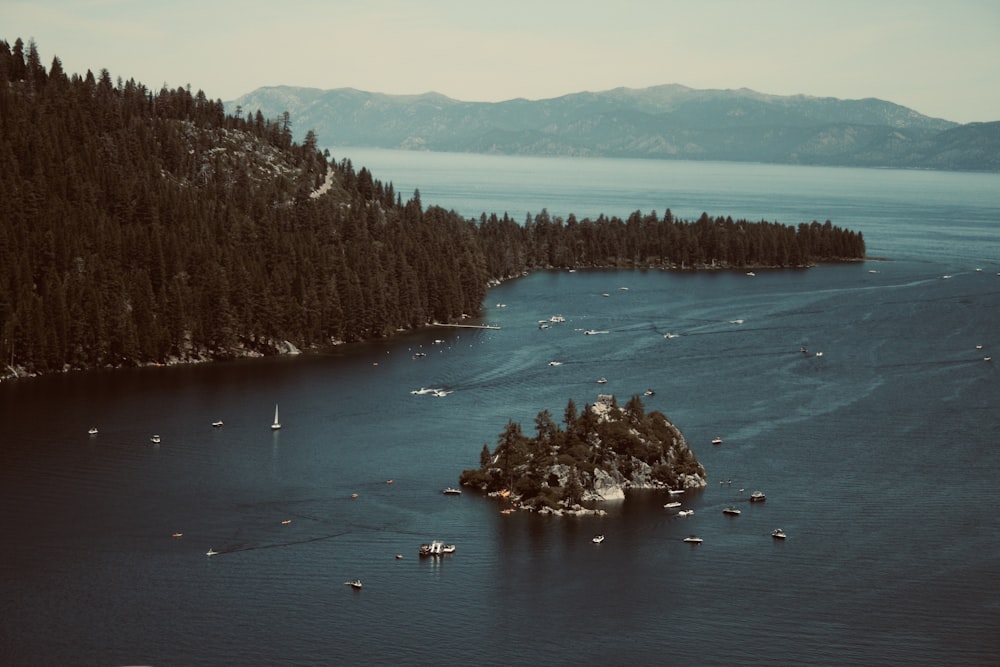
{"x": 141, "y": 226}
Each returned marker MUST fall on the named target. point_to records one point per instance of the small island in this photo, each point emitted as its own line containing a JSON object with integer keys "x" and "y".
{"x": 601, "y": 451}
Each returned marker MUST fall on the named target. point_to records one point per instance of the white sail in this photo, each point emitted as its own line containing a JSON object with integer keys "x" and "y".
{"x": 276, "y": 425}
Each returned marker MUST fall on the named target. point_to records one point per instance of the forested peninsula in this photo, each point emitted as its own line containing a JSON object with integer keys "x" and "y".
{"x": 151, "y": 227}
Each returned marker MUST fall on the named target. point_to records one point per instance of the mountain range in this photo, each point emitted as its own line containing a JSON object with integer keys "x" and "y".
{"x": 662, "y": 122}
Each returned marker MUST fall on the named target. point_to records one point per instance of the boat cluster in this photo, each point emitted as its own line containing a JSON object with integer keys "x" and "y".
{"x": 755, "y": 497}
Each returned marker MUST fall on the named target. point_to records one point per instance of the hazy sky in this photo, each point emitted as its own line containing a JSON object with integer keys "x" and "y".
{"x": 940, "y": 58}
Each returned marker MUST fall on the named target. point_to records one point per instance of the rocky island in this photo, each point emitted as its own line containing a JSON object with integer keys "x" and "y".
{"x": 599, "y": 453}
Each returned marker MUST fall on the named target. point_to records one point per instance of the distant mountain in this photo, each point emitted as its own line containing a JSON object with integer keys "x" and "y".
{"x": 666, "y": 122}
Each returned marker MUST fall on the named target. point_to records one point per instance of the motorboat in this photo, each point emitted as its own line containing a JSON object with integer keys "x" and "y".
{"x": 92, "y": 431}
{"x": 676, "y": 492}
{"x": 435, "y": 548}
{"x": 649, "y": 392}
{"x": 448, "y": 549}
{"x": 555, "y": 363}
{"x": 693, "y": 539}
{"x": 672, "y": 505}
{"x": 356, "y": 584}
{"x": 217, "y": 424}
{"x": 778, "y": 534}
{"x": 452, "y": 492}
{"x": 594, "y": 332}
{"x": 732, "y": 511}
{"x": 597, "y": 539}
{"x": 176, "y": 535}
{"x": 211, "y": 552}
{"x": 155, "y": 440}
{"x": 716, "y": 440}
{"x": 285, "y": 522}
{"x": 602, "y": 380}
{"x": 757, "y": 497}
{"x": 685, "y": 513}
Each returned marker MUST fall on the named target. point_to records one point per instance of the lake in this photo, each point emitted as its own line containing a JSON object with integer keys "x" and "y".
{"x": 879, "y": 457}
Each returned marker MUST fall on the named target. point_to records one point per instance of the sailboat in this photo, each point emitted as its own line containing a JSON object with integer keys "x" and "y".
{"x": 276, "y": 425}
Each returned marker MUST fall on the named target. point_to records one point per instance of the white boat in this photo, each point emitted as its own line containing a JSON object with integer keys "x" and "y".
{"x": 693, "y": 539}
{"x": 211, "y": 552}
{"x": 676, "y": 492}
{"x": 448, "y": 549}
{"x": 555, "y": 363}
{"x": 685, "y": 513}
{"x": 155, "y": 440}
{"x": 757, "y": 497}
{"x": 557, "y": 319}
{"x": 435, "y": 548}
{"x": 716, "y": 440}
{"x": 597, "y": 539}
{"x": 649, "y": 392}
{"x": 731, "y": 511}
{"x": 452, "y": 492}
{"x": 602, "y": 380}
{"x": 217, "y": 424}
{"x": 778, "y": 534}
{"x": 356, "y": 584}
{"x": 593, "y": 332}
{"x": 672, "y": 505}
{"x": 92, "y": 431}
{"x": 277, "y": 424}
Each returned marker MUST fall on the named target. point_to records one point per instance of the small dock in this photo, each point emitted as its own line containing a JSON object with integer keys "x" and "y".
{"x": 492, "y": 327}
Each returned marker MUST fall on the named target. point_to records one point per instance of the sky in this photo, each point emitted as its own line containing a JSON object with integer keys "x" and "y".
{"x": 940, "y": 58}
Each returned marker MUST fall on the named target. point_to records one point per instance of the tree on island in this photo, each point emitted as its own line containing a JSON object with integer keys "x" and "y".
{"x": 601, "y": 451}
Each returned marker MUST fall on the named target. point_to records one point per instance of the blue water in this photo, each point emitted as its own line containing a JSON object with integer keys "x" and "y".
{"x": 879, "y": 458}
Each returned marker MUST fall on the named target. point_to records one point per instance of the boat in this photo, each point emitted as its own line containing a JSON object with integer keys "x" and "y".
{"x": 693, "y": 539}
{"x": 757, "y": 497}
{"x": 594, "y": 332}
{"x": 356, "y": 584}
{"x": 716, "y": 440}
{"x": 649, "y": 392}
{"x": 597, "y": 539}
{"x": 217, "y": 424}
{"x": 732, "y": 511}
{"x": 555, "y": 363}
{"x": 557, "y": 319}
{"x": 676, "y": 492}
{"x": 602, "y": 380}
{"x": 285, "y": 522}
{"x": 176, "y": 535}
{"x": 672, "y": 505}
{"x": 685, "y": 513}
{"x": 448, "y": 549}
{"x": 92, "y": 431}
{"x": 452, "y": 492}
{"x": 778, "y": 534}
{"x": 435, "y": 548}
{"x": 211, "y": 552}
{"x": 354, "y": 496}
{"x": 399, "y": 556}
{"x": 819, "y": 354}
{"x": 155, "y": 440}
{"x": 277, "y": 424}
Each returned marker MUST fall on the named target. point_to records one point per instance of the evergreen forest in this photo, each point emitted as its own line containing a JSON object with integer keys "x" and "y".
{"x": 140, "y": 226}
